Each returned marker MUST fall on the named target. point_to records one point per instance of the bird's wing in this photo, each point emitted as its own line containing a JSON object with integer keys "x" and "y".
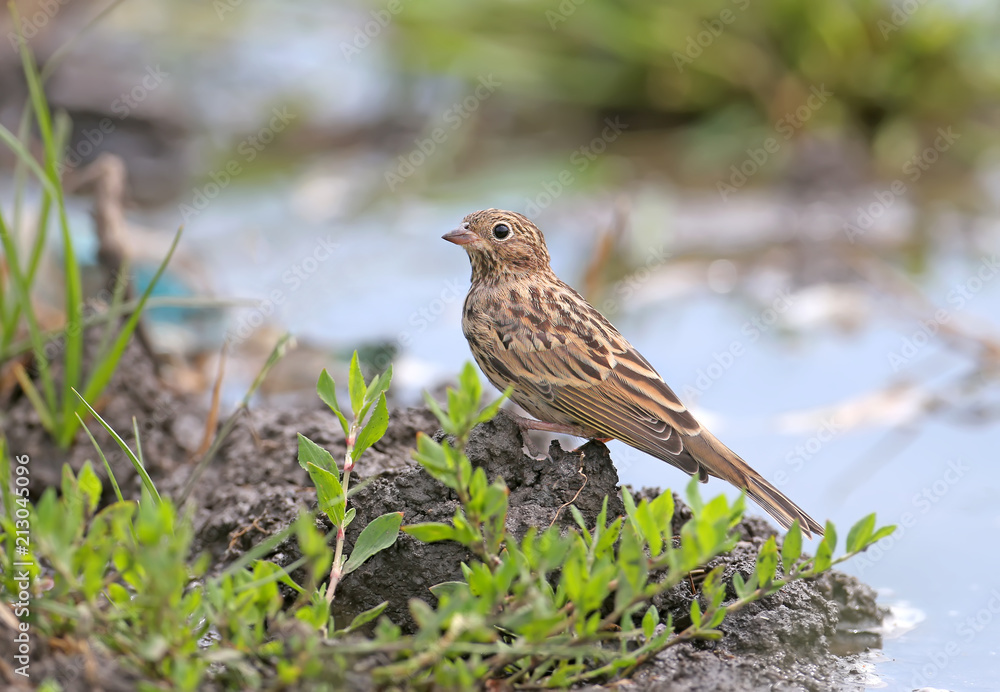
{"x": 569, "y": 356}
{"x": 566, "y": 354}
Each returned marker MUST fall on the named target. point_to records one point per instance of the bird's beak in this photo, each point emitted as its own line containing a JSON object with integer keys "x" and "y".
{"x": 461, "y": 236}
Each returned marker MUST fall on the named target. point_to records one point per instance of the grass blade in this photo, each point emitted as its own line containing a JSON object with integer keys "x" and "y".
{"x": 138, "y": 441}
{"x": 114, "y": 312}
{"x": 117, "y": 298}
{"x": 73, "y": 357}
{"x": 24, "y": 156}
{"x": 104, "y": 369}
{"x": 28, "y": 387}
{"x": 23, "y": 297}
{"x": 146, "y": 480}
{"x": 104, "y": 459}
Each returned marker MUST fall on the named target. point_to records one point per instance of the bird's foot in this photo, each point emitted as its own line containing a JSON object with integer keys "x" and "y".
{"x": 527, "y": 424}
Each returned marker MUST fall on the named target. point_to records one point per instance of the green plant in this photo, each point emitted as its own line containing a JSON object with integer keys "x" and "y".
{"x": 550, "y": 609}
{"x": 557, "y": 608}
{"x": 726, "y": 74}
{"x": 57, "y": 407}
{"x": 124, "y": 581}
{"x": 361, "y": 431}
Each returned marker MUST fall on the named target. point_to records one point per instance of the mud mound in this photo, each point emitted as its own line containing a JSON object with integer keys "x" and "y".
{"x": 255, "y": 488}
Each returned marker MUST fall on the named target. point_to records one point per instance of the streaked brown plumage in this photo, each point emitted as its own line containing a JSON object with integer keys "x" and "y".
{"x": 571, "y": 369}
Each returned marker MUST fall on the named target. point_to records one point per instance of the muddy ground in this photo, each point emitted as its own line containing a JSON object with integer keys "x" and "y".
{"x": 810, "y": 635}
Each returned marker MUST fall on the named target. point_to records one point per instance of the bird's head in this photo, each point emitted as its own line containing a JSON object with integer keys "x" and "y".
{"x": 501, "y": 243}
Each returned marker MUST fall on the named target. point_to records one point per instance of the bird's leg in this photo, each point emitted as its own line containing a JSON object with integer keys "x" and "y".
{"x": 559, "y": 428}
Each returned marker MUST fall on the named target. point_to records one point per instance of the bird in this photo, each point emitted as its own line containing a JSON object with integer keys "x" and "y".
{"x": 571, "y": 369}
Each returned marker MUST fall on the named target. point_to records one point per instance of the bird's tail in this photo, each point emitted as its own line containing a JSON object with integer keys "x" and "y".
{"x": 722, "y": 462}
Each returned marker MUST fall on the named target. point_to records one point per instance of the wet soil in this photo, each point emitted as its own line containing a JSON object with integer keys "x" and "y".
{"x": 255, "y": 487}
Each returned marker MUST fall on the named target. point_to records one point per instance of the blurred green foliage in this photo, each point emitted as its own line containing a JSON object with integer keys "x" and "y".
{"x": 732, "y": 70}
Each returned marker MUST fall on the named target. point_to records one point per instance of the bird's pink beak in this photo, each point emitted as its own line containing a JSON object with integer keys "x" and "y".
{"x": 461, "y": 235}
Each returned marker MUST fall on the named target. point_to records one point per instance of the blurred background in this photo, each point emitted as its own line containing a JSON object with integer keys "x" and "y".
{"x": 791, "y": 208}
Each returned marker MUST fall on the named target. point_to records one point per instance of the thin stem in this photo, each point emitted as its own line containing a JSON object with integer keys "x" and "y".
{"x": 337, "y": 569}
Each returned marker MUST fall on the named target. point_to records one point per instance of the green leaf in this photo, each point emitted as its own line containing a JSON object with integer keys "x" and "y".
{"x": 312, "y": 453}
{"x": 823, "y": 559}
{"x": 377, "y": 536}
{"x": 118, "y": 595}
{"x": 382, "y": 383}
{"x": 791, "y": 549}
{"x": 629, "y": 503}
{"x": 431, "y": 532}
{"x": 695, "y": 613}
{"x": 327, "y": 390}
{"x": 450, "y": 588}
{"x": 767, "y": 562}
{"x": 857, "y": 537}
{"x": 90, "y": 486}
{"x": 490, "y": 410}
{"x": 652, "y": 532}
{"x": 663, "y": 510}
{"x": 329, "y": 491}
{"x": 830, "y": 536}
{"x": 373, "y": 430}
{"x": 649, "y": 622}
{"x": 364, "y": 618}
{"x": 356, "y": 385}
{"x": 693, "y": 496}
{"x": 609, "y": 537}
{"x": 471, "y": 388}
{"x": 437, "y": 459}
{"x": 632, "y": 560}
{"x": 739, "y": 585}
{"x": 439, "y": 413}
{"x": 379, "y": 385}
{"x": 581, "y": 522}
{"x": 881, "y": 533}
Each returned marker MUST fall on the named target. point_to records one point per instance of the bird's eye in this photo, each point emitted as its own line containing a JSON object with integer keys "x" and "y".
{"x": 501, "y": 231}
